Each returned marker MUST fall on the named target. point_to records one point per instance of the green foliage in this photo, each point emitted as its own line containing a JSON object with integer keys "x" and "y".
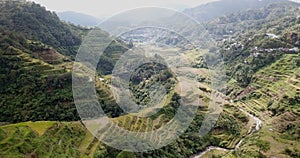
{"x": 148, "y": 75}
{"x": 245, "y": 32}
{"x": 111, "y": 55}
{"x": 263, "y": 145}
{"x": 35, "y": 23}
{"x": 35, "y": 81}
{"x": 199, "y": 63}
{"x": 32, "y": 89}
{"x": 61, "y": 140}
{"x": 125, "y": 154}
{"x": 292, "y": 152}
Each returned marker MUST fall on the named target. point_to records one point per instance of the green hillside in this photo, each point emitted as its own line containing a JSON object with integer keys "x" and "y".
{"x": 36, "y": 81}
{"x": 273, "y": 96}
{"x": 35, "y": 23}
{"x": 36, "y": 65}
{"x": 260, "y": 50}
{"x": 45, "y": 139}
{"x": 35, "y": 78}
{"x": 207, "y": 12}
{"x": 62, "y": 139}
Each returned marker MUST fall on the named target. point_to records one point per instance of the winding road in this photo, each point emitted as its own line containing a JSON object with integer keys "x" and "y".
{"x": 257, "y": 128}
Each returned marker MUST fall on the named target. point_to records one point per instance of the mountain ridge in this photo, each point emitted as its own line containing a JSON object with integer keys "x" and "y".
{"x": 209, "y": 11}
{"x": 35, "y": 79}
{"x": 77, "y": 18}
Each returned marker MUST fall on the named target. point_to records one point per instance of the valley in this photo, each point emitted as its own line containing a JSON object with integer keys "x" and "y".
{"x": 253, "y": 128}
{"x": 255, "y": 58}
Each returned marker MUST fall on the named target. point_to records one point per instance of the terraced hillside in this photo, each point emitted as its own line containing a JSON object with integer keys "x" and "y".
{"x": 80, "y": 143}
{"x": 56, "y": 139}
{"x": 36, "y": 81}
{"x": 275, "y": 87}
{"x": 274, "y": 97}
{"x": 46, "y": 139}
{"x": 261, "y": 53}
{"x": 30, "y": 85}
{"x": 261, "y": 50}
{"x": 34, "y": 22}
{"x": 36, "y": 60}
{"x": 35, "y": 72}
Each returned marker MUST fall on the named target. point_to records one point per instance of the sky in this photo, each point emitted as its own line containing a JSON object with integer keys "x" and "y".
{"x": 107, "y": 8}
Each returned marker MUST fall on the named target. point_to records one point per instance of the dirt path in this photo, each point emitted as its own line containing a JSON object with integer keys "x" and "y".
{"x": 258, "y": 125}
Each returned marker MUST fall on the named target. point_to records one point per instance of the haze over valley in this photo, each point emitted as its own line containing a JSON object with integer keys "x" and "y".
{"x": 218, "y": 78}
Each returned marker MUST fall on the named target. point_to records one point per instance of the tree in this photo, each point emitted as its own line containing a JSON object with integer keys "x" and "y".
{"x": 263, "y": 145}
{"x": 126, "y": 154}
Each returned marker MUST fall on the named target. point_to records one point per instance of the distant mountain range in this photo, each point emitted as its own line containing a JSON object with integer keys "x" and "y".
{"x": 79, "y": 18}
{"x": 209, "y": 11}
{"x": 202, "y": 13}
{"x": 258, "y": 42}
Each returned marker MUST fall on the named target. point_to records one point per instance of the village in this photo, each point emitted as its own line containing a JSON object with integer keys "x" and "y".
{"x": 233, "y": 44}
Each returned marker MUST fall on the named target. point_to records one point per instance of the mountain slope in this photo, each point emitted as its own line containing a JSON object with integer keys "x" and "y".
{"x": 35, "y": 57}
{"x": 35, "y": 81}
{"x": 273, "y": 96}
{"x": 35, "y": 23}
{"x": 79, "y": 18}
{"x": 207, "y": 12}
{"x": 45, "y": 139}
{"x": 261, "y": 50}
{"x": 252, "y": 39}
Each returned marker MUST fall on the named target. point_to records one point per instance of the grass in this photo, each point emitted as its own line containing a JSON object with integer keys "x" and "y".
{"x": 88, "y": 139}
{"x": 278, "y": 145}
{"x": 94, "y": 148}
{"x": 284, "y": 70}
{"x": 194, "y": 54}
{"x": 51, "y": 139}
{"x": 40, "y": 127}
{"x": 73, "y": 140}
{"x": 212, "y": 153}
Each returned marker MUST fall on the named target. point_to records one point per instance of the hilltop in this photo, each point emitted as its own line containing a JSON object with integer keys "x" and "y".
{"x": 34, "y": 22}
{"x": 207, "y": 12}
{"x": 37, "y": 51}
{"x": 36, "y": 59}
{"x": 79, "y": 18}
{"x": 36, "y": 85}
{"x": 260, "y": 50}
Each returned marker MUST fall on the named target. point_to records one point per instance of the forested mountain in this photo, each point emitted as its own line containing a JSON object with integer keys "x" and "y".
{"x": 79, "y": 18}
{"x": 259, "y": 43}
{"x": 260, "y": 49}
{"x": 35, "y": 23}
{"x": 256, "y": 38}
{"x": 36, "y": 51}
{"x": 36, "y": 65}
{"x": 209, "y": 11}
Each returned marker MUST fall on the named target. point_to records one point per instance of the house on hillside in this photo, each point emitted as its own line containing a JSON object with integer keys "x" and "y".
{"x": 256, "y": 54}
{"x": 272, "y": 36}
{"x": 294, "y": 50}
